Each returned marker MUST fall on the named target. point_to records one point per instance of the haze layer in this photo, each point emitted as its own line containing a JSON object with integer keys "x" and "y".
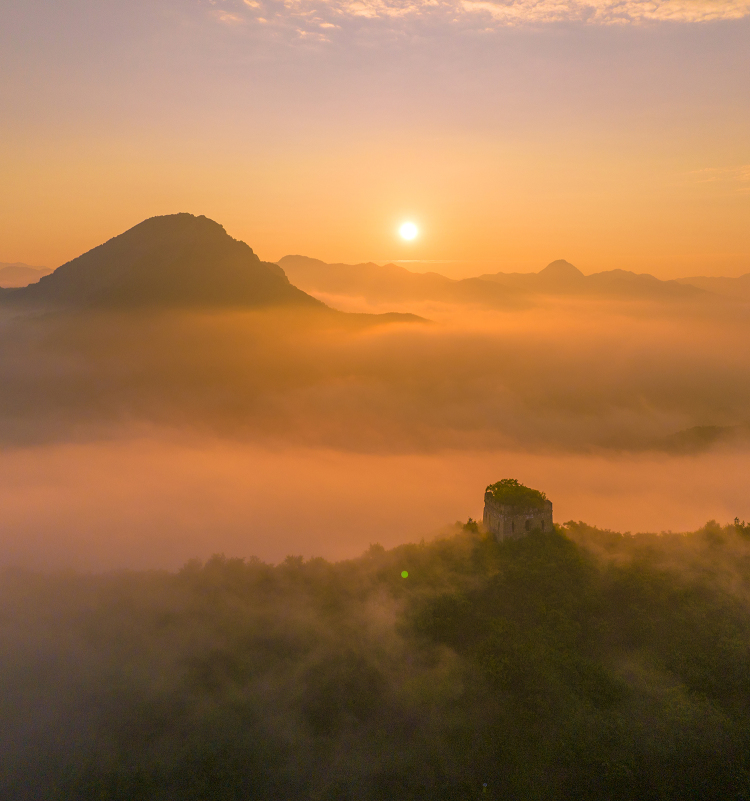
{"x": 145, "y": 433}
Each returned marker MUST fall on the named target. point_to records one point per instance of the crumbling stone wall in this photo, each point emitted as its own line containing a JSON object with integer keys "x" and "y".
{"x": 512, "y": 522}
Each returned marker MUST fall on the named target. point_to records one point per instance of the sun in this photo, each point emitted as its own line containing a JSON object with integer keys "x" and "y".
{"x": 408, "y": 230}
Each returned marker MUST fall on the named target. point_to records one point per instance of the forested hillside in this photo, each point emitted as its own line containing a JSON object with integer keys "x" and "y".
{"x": 579, "y": 664}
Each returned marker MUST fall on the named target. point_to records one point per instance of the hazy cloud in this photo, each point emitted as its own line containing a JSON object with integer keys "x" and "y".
{"x": 143, "y": 438}
{"x": 570, "y": 376}
{"x": 608, "y": 11}
{"x": 738, "y": 178}
{"x": 482, "y": 14}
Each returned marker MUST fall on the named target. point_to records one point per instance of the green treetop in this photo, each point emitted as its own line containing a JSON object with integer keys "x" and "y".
{"x": 510, "y": 493}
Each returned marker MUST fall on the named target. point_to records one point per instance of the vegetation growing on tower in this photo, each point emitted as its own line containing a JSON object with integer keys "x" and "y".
{"x": 511, "y": 493}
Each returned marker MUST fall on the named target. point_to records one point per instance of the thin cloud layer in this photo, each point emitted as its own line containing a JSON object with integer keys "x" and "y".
{"x": 736, "y": 179}
{"x": 310, "y": 18}
{"x": 608, "y": 11}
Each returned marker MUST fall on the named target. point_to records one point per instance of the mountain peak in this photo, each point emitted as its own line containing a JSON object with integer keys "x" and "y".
{"x": 561, "y": 269}
{"x": 173, "y": 260}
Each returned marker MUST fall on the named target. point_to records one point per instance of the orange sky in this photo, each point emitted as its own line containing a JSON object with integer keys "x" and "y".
{"x": 609, "y": 134}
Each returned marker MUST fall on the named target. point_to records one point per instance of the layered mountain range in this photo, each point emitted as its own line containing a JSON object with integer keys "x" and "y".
{"x": 561, "y": 277}
{"x": 182, "y": 260}
{"x": 393, "y": 283}
{"x": 731, "y": 287}
{"x": 549, "y": 377}
{"x": 18, "y": 274}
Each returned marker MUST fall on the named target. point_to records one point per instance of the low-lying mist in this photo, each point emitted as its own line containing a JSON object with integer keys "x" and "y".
{"x": 578, "y": 663}
{"x": 556, "y": 377}
{"x": 153, "y": 502}
{"x": 146, "y": 438}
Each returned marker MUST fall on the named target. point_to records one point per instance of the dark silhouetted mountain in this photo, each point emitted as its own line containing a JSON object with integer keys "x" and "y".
{"x": 561, "y": 277}
{"x": 178, "y": 260}
{"x": 731, "y": 287}
{"x": 390, "y": 283}
{"x": 19, "y": 274}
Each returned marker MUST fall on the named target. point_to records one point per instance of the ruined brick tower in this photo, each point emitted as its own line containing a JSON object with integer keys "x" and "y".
{"x": 512, "y": 510}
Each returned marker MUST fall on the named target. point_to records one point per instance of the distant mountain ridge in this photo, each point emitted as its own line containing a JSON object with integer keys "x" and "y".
{"x": 394, "y": 283}
{"x": 561, "y": 277}
{"x": 170, "y": 261}
{"x": 731, "y": 287}
{"x": 18, "y": 274}
{"x": 390, "y": 283}
{"x": 186, "y": 260}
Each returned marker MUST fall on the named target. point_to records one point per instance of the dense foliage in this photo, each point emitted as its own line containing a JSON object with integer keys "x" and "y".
{"x": 510, "y": 493}
{"x": 576, "y": 664}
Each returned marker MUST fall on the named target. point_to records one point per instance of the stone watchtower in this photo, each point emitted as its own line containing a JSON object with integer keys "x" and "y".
{"x": 512, "y": 510}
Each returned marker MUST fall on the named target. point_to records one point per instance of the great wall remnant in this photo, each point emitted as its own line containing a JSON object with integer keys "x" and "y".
{"x": 512, "y": 510}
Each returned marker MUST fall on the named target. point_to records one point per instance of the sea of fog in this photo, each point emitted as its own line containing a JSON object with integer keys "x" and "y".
{"x": 156, "y": 501}
{"x": 143, "y": 440}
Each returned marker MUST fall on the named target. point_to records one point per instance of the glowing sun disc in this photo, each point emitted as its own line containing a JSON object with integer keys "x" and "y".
{"x": 408, "y": 230}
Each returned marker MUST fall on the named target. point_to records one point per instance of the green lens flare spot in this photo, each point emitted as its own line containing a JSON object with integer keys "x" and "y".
{"x": 404, "y": 574}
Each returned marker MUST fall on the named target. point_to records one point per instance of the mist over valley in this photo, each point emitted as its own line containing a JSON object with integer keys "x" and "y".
{"x": 229, "y": 566}
{"x": 375, "y": 400}
{"x": 188, "y": 371}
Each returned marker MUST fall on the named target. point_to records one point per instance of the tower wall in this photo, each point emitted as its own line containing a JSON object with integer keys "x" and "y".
{"x": 512, "y": 522}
